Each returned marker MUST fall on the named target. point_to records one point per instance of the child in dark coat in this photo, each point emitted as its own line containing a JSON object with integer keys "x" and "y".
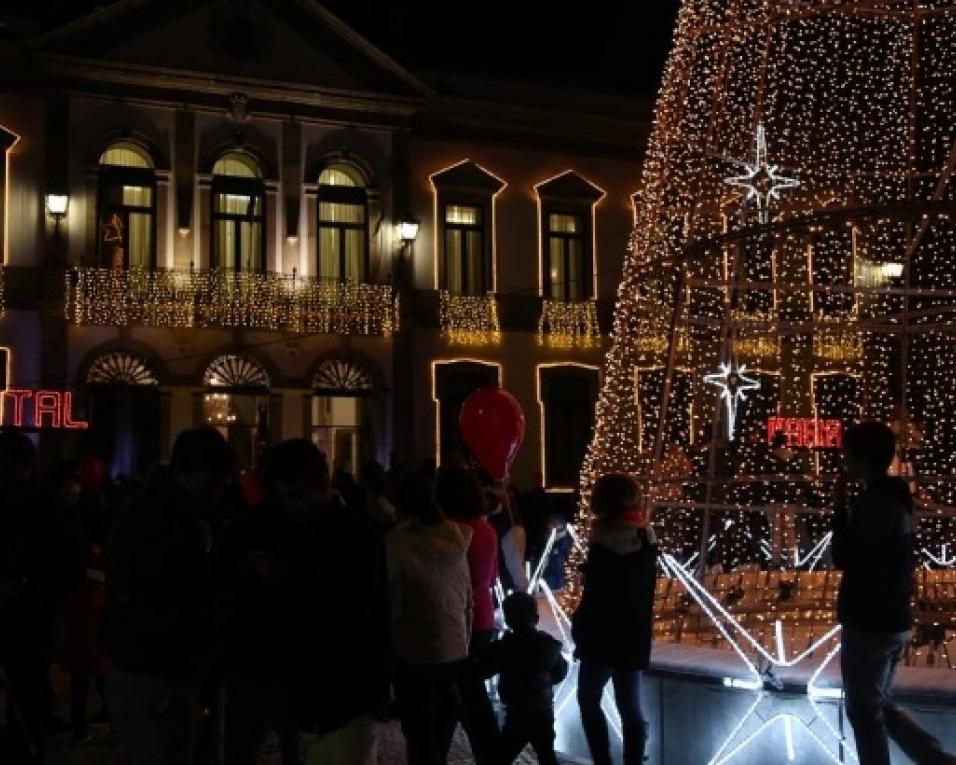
{"x": 530, "y": 664}
{"x": 613, "y": 623}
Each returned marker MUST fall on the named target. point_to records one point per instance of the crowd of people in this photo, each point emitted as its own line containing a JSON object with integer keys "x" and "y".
{"x": 211, "y": 612}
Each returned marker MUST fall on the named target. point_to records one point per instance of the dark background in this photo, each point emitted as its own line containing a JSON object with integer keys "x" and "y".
{"x": 603, "y": 45}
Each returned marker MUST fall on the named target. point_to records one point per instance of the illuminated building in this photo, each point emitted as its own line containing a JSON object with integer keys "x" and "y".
{"x": 288, "y": 233}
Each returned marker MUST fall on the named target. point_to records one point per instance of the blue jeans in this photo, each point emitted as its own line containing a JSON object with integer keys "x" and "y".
{"x": 868, "y": 662}
{"x": 592, "y": 679}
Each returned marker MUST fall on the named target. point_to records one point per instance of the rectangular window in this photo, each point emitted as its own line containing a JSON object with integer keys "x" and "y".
{"x": 567, "y": 259}
{"x": 238, "y": 230}
{"x": 126, "y": 224}
{"x": 342, "y": 240}
{"x": 464, "y": 271}
{"x": 569, "y": 417}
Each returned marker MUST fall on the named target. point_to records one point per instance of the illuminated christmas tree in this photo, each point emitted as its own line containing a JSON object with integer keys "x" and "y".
{"x": 792, "y": 270}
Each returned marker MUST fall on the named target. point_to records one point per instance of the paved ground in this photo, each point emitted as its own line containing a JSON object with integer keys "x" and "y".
{"x": 102, "y": 751}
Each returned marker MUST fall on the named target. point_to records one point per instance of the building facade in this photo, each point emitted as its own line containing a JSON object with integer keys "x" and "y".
{"x": 244, "y": 214}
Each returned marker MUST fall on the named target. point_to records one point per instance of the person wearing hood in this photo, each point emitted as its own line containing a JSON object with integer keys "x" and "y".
{"x": 530, "y": 664}
{"x": 158, "y": 620}
{"x": 874, "y": 540}
{"x": 612, "y": 625}
{"x": 431, "y": 608}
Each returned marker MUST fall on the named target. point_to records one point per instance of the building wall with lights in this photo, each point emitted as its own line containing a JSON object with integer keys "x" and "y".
{"x": 192, "y": 237}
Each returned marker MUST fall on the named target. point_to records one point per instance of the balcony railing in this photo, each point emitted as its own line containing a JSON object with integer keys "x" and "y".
{"x": 215, "y": 299}
{"x": 469, "y": 319}
{"x": 569, "y": 324}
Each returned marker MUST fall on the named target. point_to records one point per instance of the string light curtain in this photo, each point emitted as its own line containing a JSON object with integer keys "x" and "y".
{"x": 828, "y": 271}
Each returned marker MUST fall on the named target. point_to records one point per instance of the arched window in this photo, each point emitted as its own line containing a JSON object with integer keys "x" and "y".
{"x": 121, "y": 368}
{"x": 343, "y": 224}
{"x": 342, "y": 412}
{"x": 236, "y": 372}
{"x": 126, "y": 207}
{"x": 342, "y": 377}
{"x": 238, "y": 214}
{"x": 237, "y": 404}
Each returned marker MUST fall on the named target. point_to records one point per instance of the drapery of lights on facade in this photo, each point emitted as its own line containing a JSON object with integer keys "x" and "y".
{"x": 569, "y": 324}
{"x": 792, "y": 270}
{"x": 192, "y": 298}
{"x": 469, "y": 319}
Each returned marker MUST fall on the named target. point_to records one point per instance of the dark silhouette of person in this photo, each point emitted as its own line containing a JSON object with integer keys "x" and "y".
{"x": 158, "y": 620}
{"x": 613, "y": 623}
{"x": 874, "y": 540}
{"x": 529, "y": 663}
{"x": 39, "y": 566}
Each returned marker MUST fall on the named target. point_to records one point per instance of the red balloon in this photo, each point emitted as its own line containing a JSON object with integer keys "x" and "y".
{"x": 492, "y": 427}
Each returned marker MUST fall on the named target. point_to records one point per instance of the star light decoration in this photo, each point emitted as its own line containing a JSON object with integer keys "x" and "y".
{"x": 733, "y": 384}
{"x": 761, "y": 181}
{"x": 829, "y": 744}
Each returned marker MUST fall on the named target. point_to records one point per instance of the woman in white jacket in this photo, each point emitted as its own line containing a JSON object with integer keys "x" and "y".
{"x": 431, "y": 604}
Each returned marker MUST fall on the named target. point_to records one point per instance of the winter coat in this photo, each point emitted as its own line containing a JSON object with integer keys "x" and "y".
{"x": 430, "y": 588}
{"x": 873, "y": 543}
{"x": 82, "y": 614}
{"x": 158, "y": 613}
{"x": 307, "y": 611}
{"x": 483, "y": 566}
{"x": 612, "y": 625}
{"x": 530, "y": 664}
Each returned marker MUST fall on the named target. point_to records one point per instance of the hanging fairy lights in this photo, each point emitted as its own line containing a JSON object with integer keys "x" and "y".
{"x": 838, "y": 292}
{"x": 469, "y": 319}
{"x": 192, "y": 298}
{"x": 569, "y": 324}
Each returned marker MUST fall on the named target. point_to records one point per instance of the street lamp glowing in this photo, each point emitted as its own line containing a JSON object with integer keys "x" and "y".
{"x": 408, "y": 230}
{"x": 892, "y": 270}
{"x": 57, "y": 204}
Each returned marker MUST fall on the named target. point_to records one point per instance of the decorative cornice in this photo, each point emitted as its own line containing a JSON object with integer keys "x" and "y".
{"x": 182, "y": 83}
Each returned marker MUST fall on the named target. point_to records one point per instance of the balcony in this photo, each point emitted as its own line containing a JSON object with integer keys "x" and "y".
{"x": 469, "y": 319}
{"x": 219, "y": 299}
{"x": 569, "y": 324}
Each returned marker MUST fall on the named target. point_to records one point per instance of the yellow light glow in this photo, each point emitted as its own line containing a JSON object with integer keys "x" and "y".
{"x": 592, "y": 208}
{"x": 438, "y": 224}
{"x": 6, "y": 200}
{"x": 193, "y": 298}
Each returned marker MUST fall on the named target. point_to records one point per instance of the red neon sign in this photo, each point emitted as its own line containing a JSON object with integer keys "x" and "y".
{"x": 807, "y": 432}
{"x": 49, "y": 409}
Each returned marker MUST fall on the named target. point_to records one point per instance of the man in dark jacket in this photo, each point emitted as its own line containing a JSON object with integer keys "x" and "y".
{"x": 873, "y": 543}
{"x": 307, "y": 648}
{"x": 612, "y": 625}
{"x": 158, "y": 620}
{"x": 530, "y": 664}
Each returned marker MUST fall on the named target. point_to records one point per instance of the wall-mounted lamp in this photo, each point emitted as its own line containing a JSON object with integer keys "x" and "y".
{"x": 184, "y": 231}
{"x": 56, "y": 207}
{"x": 892, "y": 270}
{"x": 408, "y": 230}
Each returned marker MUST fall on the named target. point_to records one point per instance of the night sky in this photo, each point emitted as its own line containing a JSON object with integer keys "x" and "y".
{"x": 602, "y": 45}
